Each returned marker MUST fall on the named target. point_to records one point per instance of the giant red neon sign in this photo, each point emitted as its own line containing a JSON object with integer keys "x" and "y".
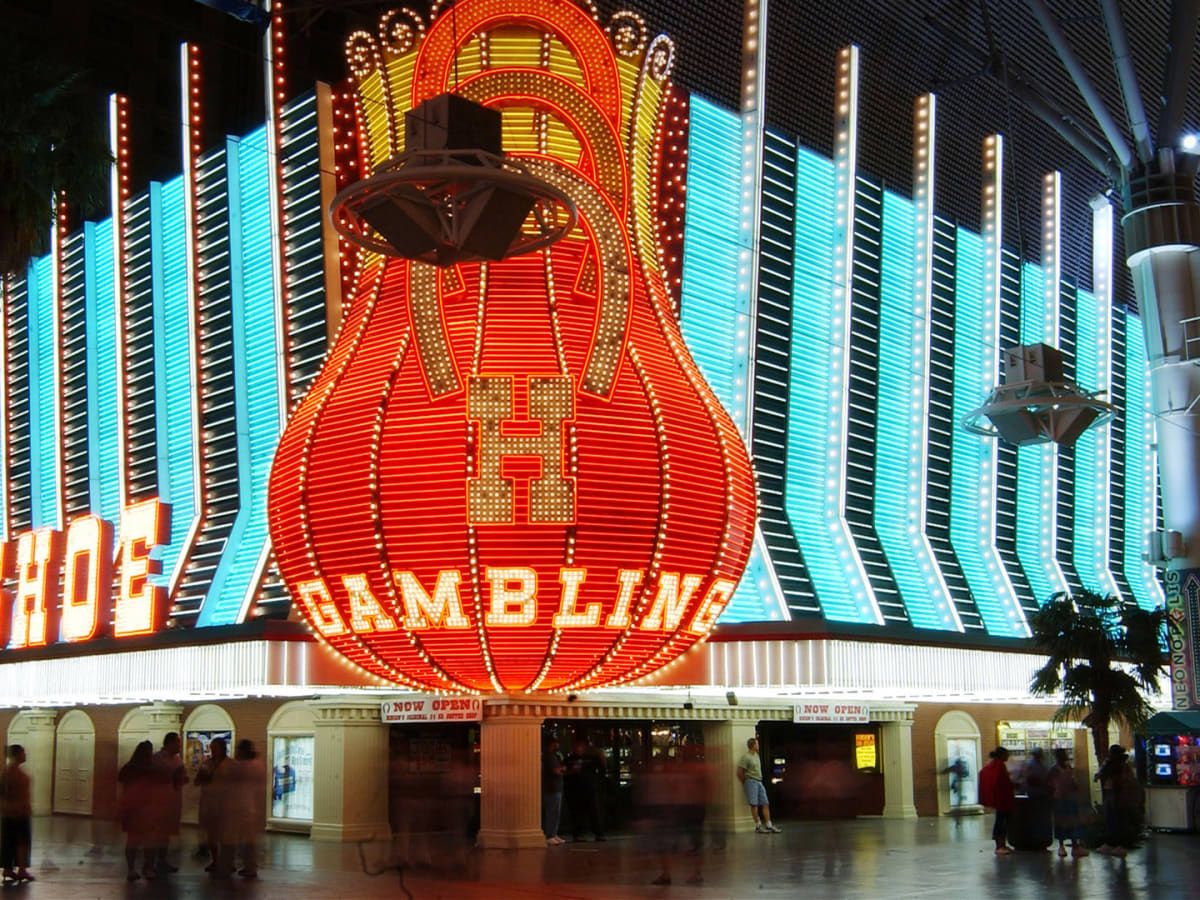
{"x": 76, "y": 568}
{"x": 512, "y": 476}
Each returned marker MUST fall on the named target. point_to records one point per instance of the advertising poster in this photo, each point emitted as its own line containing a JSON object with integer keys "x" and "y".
{"x": 292, "y": 778}
{"x": 195, "y": 748}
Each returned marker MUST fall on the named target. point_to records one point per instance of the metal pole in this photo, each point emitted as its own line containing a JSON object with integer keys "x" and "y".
{"x": 1135, "y": 111}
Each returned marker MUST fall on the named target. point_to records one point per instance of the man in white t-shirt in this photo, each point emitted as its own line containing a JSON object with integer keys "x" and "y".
{"x": 749, "y": 773}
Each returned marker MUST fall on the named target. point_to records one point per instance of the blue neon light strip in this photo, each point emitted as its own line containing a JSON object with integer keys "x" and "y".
{"x": 715, "y": 307}
{"x": 1140, "y": 489}
{"x": 256, "y": 389}
{"x": 1092, "y": 463}
{"x": 1036, "y": 463}
{"x": 973, "y": 469}
{"x": 815, "y": 408}
{"x": 174, "y": 399}
{"x": 103, "y": 457}
{"x": 898, "y": 433}
{"x": 715, "y": 314}
{"x": 42, "y": 393}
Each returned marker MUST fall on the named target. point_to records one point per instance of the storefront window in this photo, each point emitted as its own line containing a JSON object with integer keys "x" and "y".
{"x": 292, "y": 779}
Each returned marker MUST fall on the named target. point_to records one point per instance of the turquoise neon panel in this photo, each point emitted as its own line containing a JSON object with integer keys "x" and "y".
{"x": 814, "y": 404}
{"x": 1091, "y": 454}
{"x": 103, "y": 455}
{"x": 256, "y": 385}
{"x": 898, "y": 464}
{"x": 714, "y": 313}
{"x": 1140, "y": 467}
{"x": 1035, "y": 463}
{"x": 177, "y": 477}
{"x": 43, "y": 392}
{"x": 973, "y": 470}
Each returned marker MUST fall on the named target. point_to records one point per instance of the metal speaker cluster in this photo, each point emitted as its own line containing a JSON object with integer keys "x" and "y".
{"x": 453, "y": 197}
{"x": 1037, "y": 404}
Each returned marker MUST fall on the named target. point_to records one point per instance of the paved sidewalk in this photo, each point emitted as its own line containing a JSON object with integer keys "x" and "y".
{"x": 77, "y": 859}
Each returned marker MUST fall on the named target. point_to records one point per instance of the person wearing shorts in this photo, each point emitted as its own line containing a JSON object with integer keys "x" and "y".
{"x": 749, "y": 773}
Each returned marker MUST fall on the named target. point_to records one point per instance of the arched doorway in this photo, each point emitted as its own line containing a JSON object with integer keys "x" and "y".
{"x": 203, "y": 724}
{"x": 290, "y": 745}
{"x": 959, "y": 754}
{"x": 134, "y": 728}
{"x": 33, "y": 729}
{"x": 75, "y": 759}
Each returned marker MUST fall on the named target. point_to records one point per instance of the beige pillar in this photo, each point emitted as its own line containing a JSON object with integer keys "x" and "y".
{"x": 896, "y": 738}
{"x": 350, "y": 753}
{"x": 34, "y": 730}
{"x": 162, "y": 718}
{"x": 724, "y": 744}
{"x": 510, "y": 777}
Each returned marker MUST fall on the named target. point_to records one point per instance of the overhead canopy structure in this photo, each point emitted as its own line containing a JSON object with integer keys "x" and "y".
{"x": 1177, "y": 721}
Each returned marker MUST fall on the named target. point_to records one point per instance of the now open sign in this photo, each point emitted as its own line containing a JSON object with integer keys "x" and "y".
{"x": 850, "y": 713}
{"x": 432, "y": 709}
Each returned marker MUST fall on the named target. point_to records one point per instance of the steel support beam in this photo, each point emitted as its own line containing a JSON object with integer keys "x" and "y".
{"x": 1122, "y": 59}
{"x": 1184, "y": 17}
{"x": 1087, "y": 144}
{"x": 1103, "y": 118}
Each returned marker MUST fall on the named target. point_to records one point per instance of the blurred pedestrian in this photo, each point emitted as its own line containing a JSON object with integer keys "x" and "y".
{"x": 1122, "y": 799}
{"x": 169, "y": 778}
{"x": 552, "y": 791}
{"x": 247, "y": 801}
{"x": 1065, "y": 790}
{"x": 656, "y": 800}
{"x": 137, "y": 811}
{"x": 583, "y": 771}
{"x": 959, "y": 772}
{"x": 996, "y": 791}
{"x": 833, "y": 793}
{"x": 749, "y": 773}
{"x": 1035, "y": 776}
{"x": 16, "y": 810}
{"x": 214, "y": 779}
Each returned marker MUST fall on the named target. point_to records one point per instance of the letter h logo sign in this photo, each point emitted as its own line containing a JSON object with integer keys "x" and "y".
{"x": 489, "y": 493}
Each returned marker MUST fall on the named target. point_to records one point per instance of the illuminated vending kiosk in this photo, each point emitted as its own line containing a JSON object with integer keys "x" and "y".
{"x": 1173, "y": 770}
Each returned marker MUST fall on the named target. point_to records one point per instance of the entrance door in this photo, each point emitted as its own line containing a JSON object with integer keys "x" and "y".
{"x": 964, "y": 789}
{"x": 75, "y": 755}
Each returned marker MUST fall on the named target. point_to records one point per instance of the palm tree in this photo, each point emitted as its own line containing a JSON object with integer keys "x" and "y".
{"x": 53, "y": 143}
{"x": 1105, "y": 655}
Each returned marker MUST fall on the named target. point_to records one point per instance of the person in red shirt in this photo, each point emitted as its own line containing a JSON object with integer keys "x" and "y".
{"x": 996, "y": 791}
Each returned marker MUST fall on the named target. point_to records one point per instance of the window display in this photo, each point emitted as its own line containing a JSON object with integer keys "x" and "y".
{"x": 1022, "y": 737}
{"x": 196, "y": 746}
{"x": 1176, "y": 760}
{"x": 292, "y": 778}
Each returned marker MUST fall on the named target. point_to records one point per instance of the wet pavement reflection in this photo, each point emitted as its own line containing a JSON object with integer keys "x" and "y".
{"x": 78, "y": 858}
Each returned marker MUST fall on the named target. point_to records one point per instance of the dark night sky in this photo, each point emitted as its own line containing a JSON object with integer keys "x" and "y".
{"x": 131, "y": 46}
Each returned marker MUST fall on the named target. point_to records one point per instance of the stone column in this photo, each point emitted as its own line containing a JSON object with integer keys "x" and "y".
{"x": 163, "y": 718}
{"x": 724, "y": 744}
{"x": 896, "y": 738}
{"x": 510, "y": 776}
{"x": 350, "y": 753}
